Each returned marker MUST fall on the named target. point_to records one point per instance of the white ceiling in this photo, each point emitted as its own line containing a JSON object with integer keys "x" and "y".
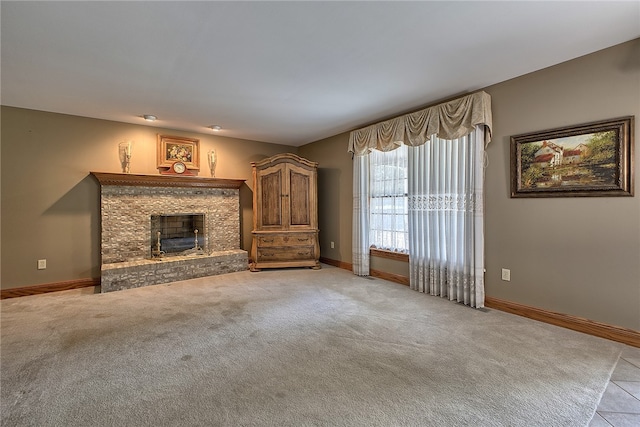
{"x": 284, "y": 72}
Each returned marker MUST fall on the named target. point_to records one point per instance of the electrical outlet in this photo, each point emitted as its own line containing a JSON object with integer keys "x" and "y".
{"x": 42, "y": 264}
{"x": 333, "y": 245}
{"x": 506, "y": 274}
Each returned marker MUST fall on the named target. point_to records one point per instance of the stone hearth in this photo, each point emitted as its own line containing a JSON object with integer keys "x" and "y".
{"x": 129, "y": 201}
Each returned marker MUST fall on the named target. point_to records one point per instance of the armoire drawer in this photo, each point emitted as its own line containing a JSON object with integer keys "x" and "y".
{"x": 302, "y": 239}
{"x": 285, "y": 254}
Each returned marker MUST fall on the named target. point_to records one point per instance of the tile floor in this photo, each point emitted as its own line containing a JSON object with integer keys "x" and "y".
{"x": 620, "y": 403}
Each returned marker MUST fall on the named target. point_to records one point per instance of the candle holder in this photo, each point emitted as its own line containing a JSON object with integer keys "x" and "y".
{"x": 124, "y": 151}
{"x": 213, "y": 161}
{"x": 157, "y": 252}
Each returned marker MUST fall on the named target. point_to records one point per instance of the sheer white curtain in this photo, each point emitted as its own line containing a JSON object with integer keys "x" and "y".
{"x": 360, "y": 238}
{"x": 446, "y": 219}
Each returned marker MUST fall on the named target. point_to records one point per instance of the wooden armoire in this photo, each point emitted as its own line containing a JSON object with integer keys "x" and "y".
{"x": 285, "y": 213}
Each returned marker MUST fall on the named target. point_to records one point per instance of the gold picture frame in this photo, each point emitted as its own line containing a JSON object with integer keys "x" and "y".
{"x": 173, "y": 149}
{"x": 587, "y": 160}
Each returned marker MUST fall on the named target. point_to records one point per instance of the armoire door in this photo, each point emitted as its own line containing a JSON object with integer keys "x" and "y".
{"x": 299, "y": 205}
{"x": 270, "y": 197}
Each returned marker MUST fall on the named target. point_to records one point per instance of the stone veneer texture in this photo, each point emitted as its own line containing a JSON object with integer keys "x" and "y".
{"x": 126, "y": 229}
{"x": 129, "y": 275}
{"x": 127, "y": 210}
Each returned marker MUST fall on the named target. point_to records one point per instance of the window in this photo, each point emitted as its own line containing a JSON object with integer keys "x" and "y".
{"x": 388, "y": 200}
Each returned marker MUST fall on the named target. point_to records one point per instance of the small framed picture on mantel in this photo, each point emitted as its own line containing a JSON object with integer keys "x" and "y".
{"x": 180, "y": 151}
{"x": 588, "y": 160}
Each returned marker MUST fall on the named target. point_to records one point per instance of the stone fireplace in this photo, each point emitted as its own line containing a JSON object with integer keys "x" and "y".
{"x": 135, "y": 207}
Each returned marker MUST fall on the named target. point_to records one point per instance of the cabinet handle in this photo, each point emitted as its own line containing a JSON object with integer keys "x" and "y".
{"x": 267, "y": 254}
{"x": 302, "y": 240}
{"x": 302, "y": 253}
{"x": 267, "y": 240}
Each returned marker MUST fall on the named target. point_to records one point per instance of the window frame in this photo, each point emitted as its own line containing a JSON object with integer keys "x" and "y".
{"x": 383, "y": 253}
{"x": 377, "y": 167}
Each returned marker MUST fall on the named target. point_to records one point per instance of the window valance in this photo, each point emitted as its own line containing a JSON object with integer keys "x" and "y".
{"x": 449, "y": 120}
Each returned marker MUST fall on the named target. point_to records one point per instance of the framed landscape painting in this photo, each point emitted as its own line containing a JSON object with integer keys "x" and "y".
{"x": 592, "y": 159}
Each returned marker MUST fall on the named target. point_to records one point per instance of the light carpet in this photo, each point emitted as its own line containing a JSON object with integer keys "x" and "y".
{"x": 292, "y": 347}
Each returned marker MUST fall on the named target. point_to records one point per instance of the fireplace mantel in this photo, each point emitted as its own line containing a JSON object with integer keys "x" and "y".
{"x": 127, "y": 179}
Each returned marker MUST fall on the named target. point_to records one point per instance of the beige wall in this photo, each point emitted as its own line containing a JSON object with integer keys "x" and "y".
{"x": 335, "y": 181}
{"x": 578, "y": 256}
{"x": 50, "y": 204}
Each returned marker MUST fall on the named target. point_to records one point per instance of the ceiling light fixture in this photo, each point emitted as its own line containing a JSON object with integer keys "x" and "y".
{"x": 150, "y": 118}
{"x": 215, "y": 128}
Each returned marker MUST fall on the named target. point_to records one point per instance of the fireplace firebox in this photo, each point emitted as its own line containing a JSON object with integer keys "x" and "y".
{"x": 178, "y": 234}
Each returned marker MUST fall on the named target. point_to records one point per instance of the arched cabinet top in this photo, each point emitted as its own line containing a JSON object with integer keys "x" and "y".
{"x": 282, "y": 158}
